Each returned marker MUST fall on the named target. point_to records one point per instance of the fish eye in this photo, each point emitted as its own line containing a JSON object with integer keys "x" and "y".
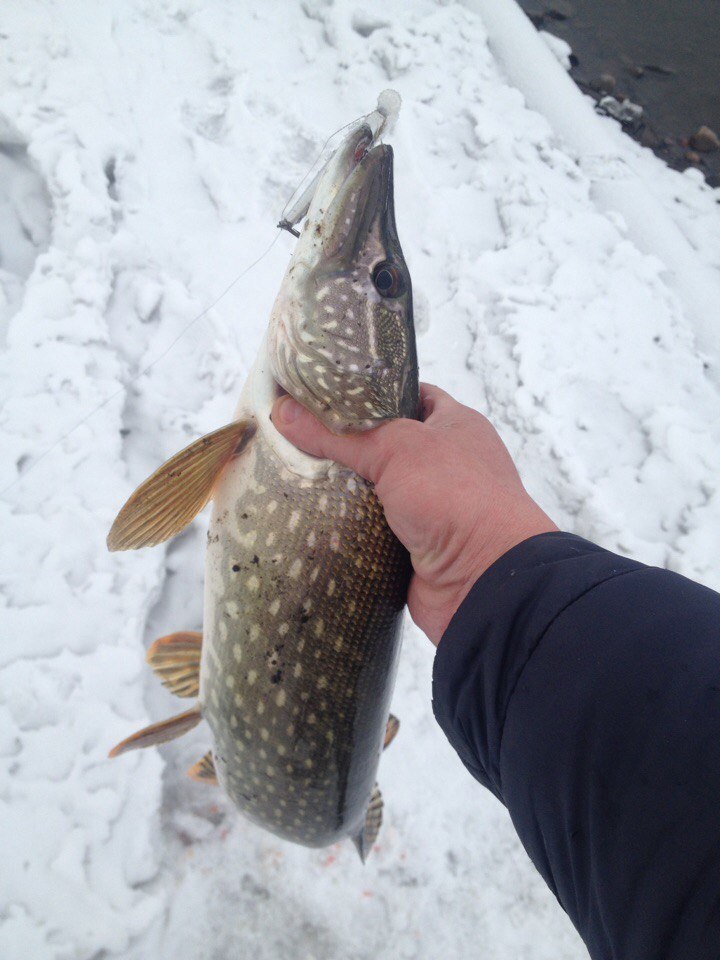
{"x": 388, "y": 280}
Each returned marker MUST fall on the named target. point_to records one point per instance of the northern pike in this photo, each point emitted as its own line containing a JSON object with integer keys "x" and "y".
{"x": 305, "y": 583}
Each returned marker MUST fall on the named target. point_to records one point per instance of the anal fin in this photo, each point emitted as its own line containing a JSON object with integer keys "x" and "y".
{"x": 158, "y": 733}
{"x": 373, "y": 821}
{"x": 393, "y": 725}
{"x": 204, "y": 770}
{"x": 175, "y": 659}
{"x": 173, "y": 496}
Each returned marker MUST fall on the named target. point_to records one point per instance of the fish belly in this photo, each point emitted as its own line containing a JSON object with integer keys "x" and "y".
{"x": 305, "y": 587}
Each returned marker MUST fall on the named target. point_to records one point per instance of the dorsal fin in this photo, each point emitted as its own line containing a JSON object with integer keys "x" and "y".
{"x": 161, "y": 732}
{"x": 173, "y": 496}
{"x": 204, "y": 770}
{"x": 393, "y": 725}
{"x": 176, "y": 660}
{"x": 373, "y": 821}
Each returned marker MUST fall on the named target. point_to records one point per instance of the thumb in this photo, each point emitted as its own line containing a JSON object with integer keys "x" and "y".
{"x": 364, "y": 452}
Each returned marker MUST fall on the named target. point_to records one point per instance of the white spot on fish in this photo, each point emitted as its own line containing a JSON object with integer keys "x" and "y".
{"x": 335, "y": 541}
{"x": 232, "y": 609}
{"x": 330, "y": 587}
{"x": 311, "y": 539}
{"x": 264, "y": 734}
{"x": 252, "y": 677}
{"x": 314, "y": 574}
{"x": 253, "y": 584}
{"x": 294, "y": 571}
{"x": 260, "y": 708}
{"x": 254, "y": 631}
{"x": 274, "y": 607}
{"x": 247, "y": 539}
{"x": 272, "y": 506}
{"x": 321, "y": 683}
{"x": 283, "y": 629}
{"x": 270, "y": 539}
{"x": 319, "y": 627}
{"x": 294, "y": 519}
{"x": 297, "y": 672}
{"x": 322, "y": 293}
{"x": 331, "y": 325}
{"x": 237, "y": 652}
{"x": 229, "y": 681}
{"x": 280, "y": 698}
{"x": 323, "y": 502}
{"x": 238, "y": 700}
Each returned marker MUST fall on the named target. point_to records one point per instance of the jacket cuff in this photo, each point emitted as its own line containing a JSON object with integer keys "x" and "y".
{"x": 496, "y": 630}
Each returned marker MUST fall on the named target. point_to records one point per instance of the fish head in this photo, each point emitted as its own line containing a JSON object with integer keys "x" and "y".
{"x": 342, "y": 339}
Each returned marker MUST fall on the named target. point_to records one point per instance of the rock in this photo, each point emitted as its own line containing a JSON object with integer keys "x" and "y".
{"x": 648, "y": 138}
{"x": 536, "y": 17}
{"x": 660, "y": 71}
{"x": 605, "y": 83}
{"x": 559, "y": 10}
{"x": 626, "y": 112}
{"x": 705, "y": 140}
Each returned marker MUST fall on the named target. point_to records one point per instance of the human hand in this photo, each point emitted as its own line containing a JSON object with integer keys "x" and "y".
{"x": 449, "y": 488}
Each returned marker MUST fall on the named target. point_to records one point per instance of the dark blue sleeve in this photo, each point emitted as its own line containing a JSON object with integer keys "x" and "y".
{"x": 583, "y": 689}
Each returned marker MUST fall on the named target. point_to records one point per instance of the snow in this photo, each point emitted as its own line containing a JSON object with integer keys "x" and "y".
{"x": 566, "y": 287}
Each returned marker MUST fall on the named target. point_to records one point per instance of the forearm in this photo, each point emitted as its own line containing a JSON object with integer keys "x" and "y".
{"x": 578, "y": 686}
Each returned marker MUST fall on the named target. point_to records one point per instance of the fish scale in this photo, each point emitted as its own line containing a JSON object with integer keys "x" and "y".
{"x": 304, "y": 581}
{"x": 304, "y": 676}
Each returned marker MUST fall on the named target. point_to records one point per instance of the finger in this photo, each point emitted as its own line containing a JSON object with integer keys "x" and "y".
{"x": 437, "y": 406}
{"x": 365, "y": 453}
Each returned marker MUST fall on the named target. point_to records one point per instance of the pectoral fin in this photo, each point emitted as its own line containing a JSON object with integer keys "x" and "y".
{"x": 176, "y": 660}
{"x": 204, "y": 770}
{"x": 373, "y": 821}
{"x": 393, "y": 725}
{"x": 161, "y": 732}
{"x": 173, "y": 496}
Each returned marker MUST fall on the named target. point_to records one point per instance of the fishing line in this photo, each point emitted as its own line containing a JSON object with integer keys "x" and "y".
{"x": 312, "y": 166}
{"x": 142, "y": 372}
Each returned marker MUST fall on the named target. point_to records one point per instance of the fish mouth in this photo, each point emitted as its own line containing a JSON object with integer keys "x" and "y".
{"x": 363, "y": 205}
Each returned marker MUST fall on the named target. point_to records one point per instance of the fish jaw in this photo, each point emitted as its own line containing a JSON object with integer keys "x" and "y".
{"x": 341, "y": 337}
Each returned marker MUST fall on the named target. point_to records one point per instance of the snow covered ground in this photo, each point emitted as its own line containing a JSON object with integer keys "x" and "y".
{"x": 147, "y": 148}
